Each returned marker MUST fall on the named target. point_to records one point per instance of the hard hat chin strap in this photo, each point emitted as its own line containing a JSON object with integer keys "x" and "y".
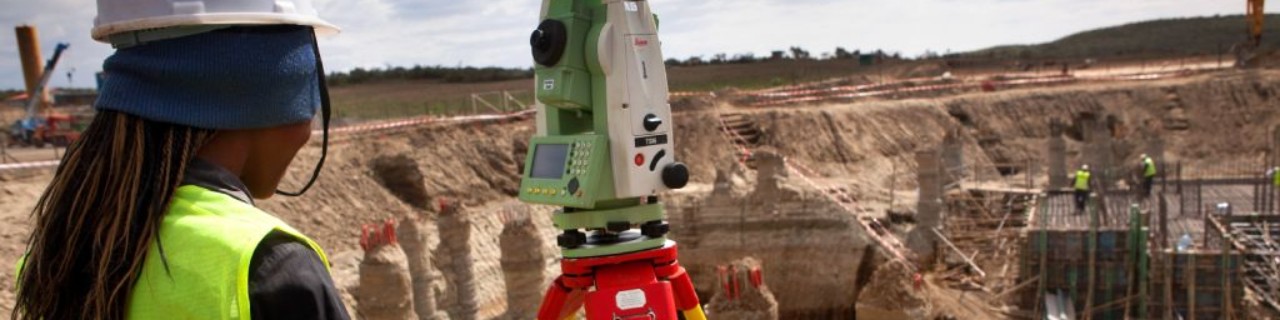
{"x": 324, "y": 121}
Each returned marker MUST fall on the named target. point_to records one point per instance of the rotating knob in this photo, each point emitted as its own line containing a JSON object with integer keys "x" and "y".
{"x": 675, "y": 175}
{"x": 548, "y": 42}
{"x": 652, "y": 122}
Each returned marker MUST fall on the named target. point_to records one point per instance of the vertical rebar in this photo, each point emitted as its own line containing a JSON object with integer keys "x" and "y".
{"x": 1179, "y": 177}
{"x": 1199, "y": 198}
{"x": 1030, "y": 174}
{"x": 1164, "y": 177}
{"x": 1257, "y": 194}
{"x": 893, "y": 185}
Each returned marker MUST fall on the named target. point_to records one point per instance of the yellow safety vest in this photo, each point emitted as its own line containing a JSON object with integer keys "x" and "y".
{"x": 209, "y": 239}
{"x": 1082, "y": 180}
{"x": 1149, "y": 167}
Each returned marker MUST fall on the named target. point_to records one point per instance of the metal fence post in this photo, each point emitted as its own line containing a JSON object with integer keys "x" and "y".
{"x": 502, "y": 96}
{"x": 1200, "y": 198}
{"x": 1179, "y": 177}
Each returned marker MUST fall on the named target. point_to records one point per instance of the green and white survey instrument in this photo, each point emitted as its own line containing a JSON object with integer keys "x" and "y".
{"x": 605, "y": 147}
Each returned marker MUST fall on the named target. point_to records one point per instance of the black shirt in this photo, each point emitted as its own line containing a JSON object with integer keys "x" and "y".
{"x": 287, "y": 280}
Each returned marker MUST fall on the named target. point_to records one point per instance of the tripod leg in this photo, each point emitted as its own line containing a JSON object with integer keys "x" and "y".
{"x": 686, "y": 297}
{"x": 560, "y": 302}
{"x": 694, "y": 314}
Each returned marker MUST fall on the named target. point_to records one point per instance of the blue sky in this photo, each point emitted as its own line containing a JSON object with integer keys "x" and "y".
{"x": 378, "y": 33}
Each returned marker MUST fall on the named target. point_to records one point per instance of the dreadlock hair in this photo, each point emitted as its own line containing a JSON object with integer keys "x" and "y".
{"x": 96, "y": 221}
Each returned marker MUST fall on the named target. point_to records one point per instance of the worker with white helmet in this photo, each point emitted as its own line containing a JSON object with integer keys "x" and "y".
{"x": 1081, "y": 187}
{"x": 151, "y": 214}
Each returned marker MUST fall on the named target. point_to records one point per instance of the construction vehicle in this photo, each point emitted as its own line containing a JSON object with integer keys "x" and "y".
{"x": 1247, "y": 53}
{"x": 36, "y": 131}
{"x": 603, "y": 151}
{"x": 56, "y": 129}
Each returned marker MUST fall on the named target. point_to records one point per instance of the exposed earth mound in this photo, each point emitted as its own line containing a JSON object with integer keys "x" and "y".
{"x": 488, "y": 256}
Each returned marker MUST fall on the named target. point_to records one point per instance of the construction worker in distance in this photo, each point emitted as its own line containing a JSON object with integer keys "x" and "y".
{"x": 1081, "y": 187}
{"x": 1148, "y": 175}
{"x": 151, "y": 213}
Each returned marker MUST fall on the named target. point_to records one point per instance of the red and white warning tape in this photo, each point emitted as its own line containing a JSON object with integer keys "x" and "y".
{"x": 418, "y": 121}
{"x": 881, "y": 235}
{"x": 29, "y": 165}
{"x": 894, "y": 248}
{"x": 734, "y": 137}
{"x": 690, "y": 94}
{"x": 346, "y": 130}
{"x": 787, "y": 96}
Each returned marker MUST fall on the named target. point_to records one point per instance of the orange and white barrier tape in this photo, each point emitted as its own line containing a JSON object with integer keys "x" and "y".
{"x": 891, "y": 245}
{"x": 690, "y": 94}
{"x": 797, "y": 94}
{"x": 724, "y": 127}
{"x": 29, "y": 165}
{"x": 418, "y": 121}
{"x": 345, "y": 130}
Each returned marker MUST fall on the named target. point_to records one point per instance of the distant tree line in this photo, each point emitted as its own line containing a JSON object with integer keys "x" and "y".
{"x": 489, "y": 74}
{"x": 445, "y": 74}
{"x": 792, "y": 53}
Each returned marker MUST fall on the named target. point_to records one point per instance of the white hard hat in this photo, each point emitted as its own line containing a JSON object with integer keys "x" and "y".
{"x": 1084, "y": 167}
{"x": 119, "y": 16}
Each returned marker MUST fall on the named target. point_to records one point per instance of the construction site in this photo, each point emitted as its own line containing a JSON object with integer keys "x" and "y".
{"x": 933, "y": 190}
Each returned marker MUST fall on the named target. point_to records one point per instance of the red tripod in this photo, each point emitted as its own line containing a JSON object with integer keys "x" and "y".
{"x": 648, "y": 284}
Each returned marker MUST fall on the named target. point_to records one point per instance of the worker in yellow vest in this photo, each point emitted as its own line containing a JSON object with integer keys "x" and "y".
{"x": 1081, "y": 187}
{"x": 1148, "y": 174}
{"x": 1274, "y": 174}
{"x": 151, "y": 214}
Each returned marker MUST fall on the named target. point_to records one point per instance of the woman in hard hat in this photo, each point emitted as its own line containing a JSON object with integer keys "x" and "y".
{"x": 150, "y": 215}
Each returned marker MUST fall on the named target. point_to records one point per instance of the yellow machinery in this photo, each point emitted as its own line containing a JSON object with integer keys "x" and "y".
{"x": 1247, "y": 53}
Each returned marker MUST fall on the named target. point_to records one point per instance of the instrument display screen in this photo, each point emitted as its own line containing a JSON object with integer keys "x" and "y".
{"x": 549, "y": 161}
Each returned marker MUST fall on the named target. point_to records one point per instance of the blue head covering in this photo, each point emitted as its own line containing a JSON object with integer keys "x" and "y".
{"x": 233, "y": 78}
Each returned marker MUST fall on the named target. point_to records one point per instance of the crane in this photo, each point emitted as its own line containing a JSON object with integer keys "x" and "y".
{"x": 31, "y": 129}
{"x": 1247, "y": 52}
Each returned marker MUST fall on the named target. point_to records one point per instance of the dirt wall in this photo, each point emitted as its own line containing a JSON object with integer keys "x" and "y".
{"x": 866, "y": 147}
{"x": 788, "y": 227}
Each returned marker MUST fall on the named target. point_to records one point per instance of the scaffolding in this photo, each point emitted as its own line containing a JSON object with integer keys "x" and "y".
{"x": 1167, "y": 254}
{"x": 1257, "y": 239}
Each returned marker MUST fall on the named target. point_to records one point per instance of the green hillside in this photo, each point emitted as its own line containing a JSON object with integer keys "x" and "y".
{"x": 1156, "y": 38}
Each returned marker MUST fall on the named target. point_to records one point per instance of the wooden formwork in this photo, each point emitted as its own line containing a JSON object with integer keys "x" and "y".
{"x": 1061, "y": 259}
{"x": 1097, "y": 259}
{"x": 984, "y": 228}
{"x": 1256, "y": 239}
{"x": 1198, "y": 284}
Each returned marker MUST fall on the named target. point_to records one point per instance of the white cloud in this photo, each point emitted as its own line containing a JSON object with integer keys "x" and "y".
{"x": 450, "y": 32}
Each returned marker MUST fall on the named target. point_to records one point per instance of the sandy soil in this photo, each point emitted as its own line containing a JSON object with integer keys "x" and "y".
{"x": 17, "y": 198}
{"x": 868, "y": 145}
